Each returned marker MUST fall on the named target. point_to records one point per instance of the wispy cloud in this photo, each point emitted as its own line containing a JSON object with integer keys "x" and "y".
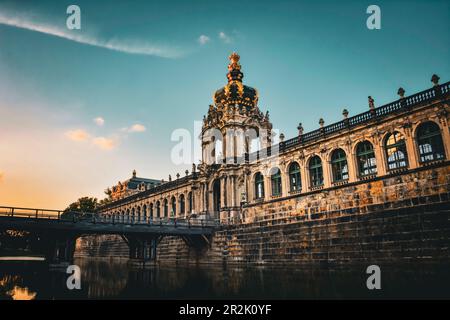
{"x": 125, "y": 46}
{"x": 203, "y": 39}
{"x": 105, "y": 143}
{"x": 224, "y": 37}
{"x": 81, "y": 135}
{"x": 99, "y": 121}
{"x": 77, "y": 135}
{"x": 135, "y": 128}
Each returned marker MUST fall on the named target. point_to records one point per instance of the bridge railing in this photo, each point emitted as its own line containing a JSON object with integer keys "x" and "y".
{"x": 151, "y": 221}
{"x": 30, "y": 213}
{"x": 88, "y": 217}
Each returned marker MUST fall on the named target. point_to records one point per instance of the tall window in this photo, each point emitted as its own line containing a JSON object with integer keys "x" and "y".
{"x": 396, "y": 154}
{"x": 144, "y": 212}
{"x": 365, "y": 158}
{"x": 173, "y": 210}
{"x": 295, "y": 181}
{"x": 151, "y": 211}
{"x": 158, "y": 209}
{"x": 166, "y": 208}
{"x": 430, "y": 143}
{"x": 138, "y": 213}
{"x": 276, "y": 182}
{"x": 181, "y": 206}
{"x": 316, "y": 171}
{"x": 259, "y": 186}
{"x": 133, "y": 214}
{"x": 339, "y": 165}
{"x": 190, "y": 202}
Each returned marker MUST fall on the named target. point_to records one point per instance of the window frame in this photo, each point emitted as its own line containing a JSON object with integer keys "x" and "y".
{"x": 400, "y": 146}
{"x": 316, "y": 170}
{"x": 295, "y": 177}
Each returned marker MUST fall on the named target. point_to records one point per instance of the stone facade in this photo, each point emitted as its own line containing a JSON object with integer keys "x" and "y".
{"x": 372, "y": 187}
{"x": 234, "y": 183}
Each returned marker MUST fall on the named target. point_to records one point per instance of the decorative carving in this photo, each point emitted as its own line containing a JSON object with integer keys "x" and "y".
{"x": 435, "y": 79}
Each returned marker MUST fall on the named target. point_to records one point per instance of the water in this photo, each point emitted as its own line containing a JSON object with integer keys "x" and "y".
{"x": 115, "y": 279}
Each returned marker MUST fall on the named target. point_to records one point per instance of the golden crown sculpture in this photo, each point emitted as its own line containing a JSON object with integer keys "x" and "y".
{"x": 234, "y": 62}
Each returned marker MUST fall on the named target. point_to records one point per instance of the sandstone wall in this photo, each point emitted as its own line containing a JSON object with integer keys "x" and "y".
{"x": 402, "y": 218}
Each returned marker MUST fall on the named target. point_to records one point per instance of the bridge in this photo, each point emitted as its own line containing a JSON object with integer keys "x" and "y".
{"x": 57, "y": 232}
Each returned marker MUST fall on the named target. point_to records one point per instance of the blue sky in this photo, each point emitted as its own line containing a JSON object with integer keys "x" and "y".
{"x": 308, "y": 59}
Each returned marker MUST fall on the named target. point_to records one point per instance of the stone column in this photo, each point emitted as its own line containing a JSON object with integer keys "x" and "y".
{"x": 203, "y": 195}
{"x": 222, "y": 192}
{"x": 267, "y": 188}
{"x": 305, "y": 177}
{"x": 445, "y": 132}
{"x": 327, "y": 174}
{"x": 233, "y": 191}
{"x": 194, "y": 203}
{"x": 285, "y": 185}
{"x": 380, "y": 157}
{"x": 352, "y": 167}
{"x": 411, "y": 149}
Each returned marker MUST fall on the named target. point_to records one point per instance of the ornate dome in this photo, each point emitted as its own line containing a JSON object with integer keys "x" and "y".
{"x": 235, "y": 92}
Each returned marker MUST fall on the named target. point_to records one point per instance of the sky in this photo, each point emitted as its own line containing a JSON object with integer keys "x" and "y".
{"x": 80, "y": 109}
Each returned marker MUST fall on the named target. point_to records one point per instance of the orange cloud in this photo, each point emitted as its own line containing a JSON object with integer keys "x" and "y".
{"x": 136, "y": 128}
{"x": 105, "y": 143}
{"x": 77, "y": 135}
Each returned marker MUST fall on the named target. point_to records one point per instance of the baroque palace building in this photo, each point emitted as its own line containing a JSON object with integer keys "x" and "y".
{"x": 243, "y": 173}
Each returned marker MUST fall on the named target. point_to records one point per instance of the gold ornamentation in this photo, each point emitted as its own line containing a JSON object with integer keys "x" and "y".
{"x": 234, "y": 62}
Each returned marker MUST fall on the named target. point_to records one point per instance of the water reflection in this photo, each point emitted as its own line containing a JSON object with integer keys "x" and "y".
{"x": 116, "y": 279}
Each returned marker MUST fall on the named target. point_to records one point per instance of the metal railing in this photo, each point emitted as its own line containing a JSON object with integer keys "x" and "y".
{"x": 30, "y": 213}
{"x": 150, "y": 221}
{"x": 76, "y": 217}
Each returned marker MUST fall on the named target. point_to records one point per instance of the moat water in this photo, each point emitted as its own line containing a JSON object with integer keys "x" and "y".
{"x": 116, "y": 279}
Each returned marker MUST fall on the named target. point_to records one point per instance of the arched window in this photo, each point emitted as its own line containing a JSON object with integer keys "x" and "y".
{"x": 158, "y": 209}
{"x": 276, "y": 182}
{"x": 181, "y": 206}
{"x": 339, "y": 165}
{"x": 365, "y": 157}
{"x": 133, "y": 214}
{"x": 128, "y": 215}
{"x": 173, "y": 209}
{"x": 190, "y": 202}
{"x": 396, "y": 154}
{"x": 316, "y": 171}
{"x": 151, "y": 211}
{"x": 138, "y": 214}
{"x": 259, "y": 186}
{"x": 430, "y": 143}
{"x": 166, "y": 208}
{"x": 122, "y": 213}
{"x": 295, "y": 181}
{"x": 144, "y": 212}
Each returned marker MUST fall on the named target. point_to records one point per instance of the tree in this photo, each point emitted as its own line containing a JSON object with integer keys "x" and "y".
{"x": 83, "y": 207}
{"x": 106, "y": 200}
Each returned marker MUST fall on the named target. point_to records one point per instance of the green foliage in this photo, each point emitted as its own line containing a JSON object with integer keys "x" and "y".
{"x": 83, "y": 207}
